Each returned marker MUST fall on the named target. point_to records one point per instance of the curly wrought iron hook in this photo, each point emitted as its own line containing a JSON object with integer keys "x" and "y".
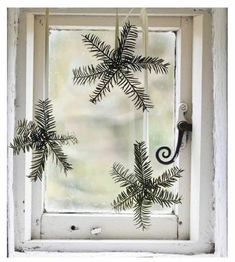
{"x": 165, "y": 151}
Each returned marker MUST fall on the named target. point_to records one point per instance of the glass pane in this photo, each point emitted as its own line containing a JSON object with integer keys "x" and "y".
{"x": 161, "y": 91}
{"x": 106, "y": 131}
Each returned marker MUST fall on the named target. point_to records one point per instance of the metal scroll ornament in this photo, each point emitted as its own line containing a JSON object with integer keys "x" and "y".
{"x": 163, "y": 153}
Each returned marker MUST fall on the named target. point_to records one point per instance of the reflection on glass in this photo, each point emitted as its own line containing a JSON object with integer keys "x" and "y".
{"x": 107, "y": 130}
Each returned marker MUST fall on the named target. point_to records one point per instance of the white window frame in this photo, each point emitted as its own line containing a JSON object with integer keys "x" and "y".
{"x": 168, "y": 226}
{"x": 200, "y": 230}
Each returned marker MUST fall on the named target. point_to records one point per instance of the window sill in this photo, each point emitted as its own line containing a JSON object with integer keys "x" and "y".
{"x": 181, "y": 247}
{"x": 106, "y": 255}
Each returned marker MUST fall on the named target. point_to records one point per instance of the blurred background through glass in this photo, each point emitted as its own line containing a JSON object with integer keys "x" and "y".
{"x": 106, "y": 131}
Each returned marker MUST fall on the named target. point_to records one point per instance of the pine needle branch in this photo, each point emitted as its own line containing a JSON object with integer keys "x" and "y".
{"x": 44, "y": 117}
{"x": 105, "y": 85}
{"x": 142, "y": 168}
{"x": 166, "y": 198}
{"x": 38, "y": 164}
{"x": 127, "y": 42}
{"x": 58, "y": 155}
{"x": 148, "y": 63}
{"x": 130, "y": 86}
{"x": 64, "y": 139}
{"x": 124, "y": 200}
{"x": 122, "y": 176}
{"x": 142, "y": 213}
{"x": 40, "y": 136}
{"x": 169, "y": 177}
{"x": 99, "y": 49}
{"x": 88, "y": 74}
{"x": 142, "y": 190}
{"x": 117, "y": 67}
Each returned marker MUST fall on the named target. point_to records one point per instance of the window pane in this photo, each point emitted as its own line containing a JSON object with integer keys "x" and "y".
{"x": 106, "y": 131}
{"x": 161, "y": 91}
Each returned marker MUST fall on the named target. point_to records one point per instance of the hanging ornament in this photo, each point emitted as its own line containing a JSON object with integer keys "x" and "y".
{"x": 40, "y": 135}
{"x": 117, "y": 67}
{"x": 142, "y": 191}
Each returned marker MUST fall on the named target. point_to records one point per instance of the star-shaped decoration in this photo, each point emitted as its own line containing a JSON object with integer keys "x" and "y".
{"x": 142, "y": 190}
{"x": 117, "y": 67}
{"x": 40, "y": 136}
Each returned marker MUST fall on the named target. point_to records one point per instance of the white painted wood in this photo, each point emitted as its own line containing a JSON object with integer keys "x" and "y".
{"x": 219, "y": 31}
{"x": 39, "y": 93}
{"x": 113, "y": 226}
{"x": 155, "y": 246}
{"x": 20, "y": 224}
{"x": 184, "y": 95}
{"x": 162, "y": 23}
{"x": 202, "y": 144}
{"x": 196, "y": 134}
{"x": 29, "y": 116}
{"x": 46, "y": 53}
{"x": 12, "y": 21}
{"x": 108, "y": 255}
{"x": 122, "y": 11}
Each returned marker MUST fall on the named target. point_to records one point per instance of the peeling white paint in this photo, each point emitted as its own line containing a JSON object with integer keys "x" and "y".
{"x": 12, "y": 39}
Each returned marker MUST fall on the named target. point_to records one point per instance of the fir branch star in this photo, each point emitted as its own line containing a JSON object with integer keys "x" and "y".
{"x": 41, "y": 137}
{"x": 117, "y": 67}
{"x": 142, "y": 190}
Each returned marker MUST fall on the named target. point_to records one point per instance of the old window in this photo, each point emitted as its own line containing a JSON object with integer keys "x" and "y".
{"x": 69, "y": 208}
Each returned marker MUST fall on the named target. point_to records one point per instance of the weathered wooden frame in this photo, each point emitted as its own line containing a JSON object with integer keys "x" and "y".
{"x": 202, "y": 216}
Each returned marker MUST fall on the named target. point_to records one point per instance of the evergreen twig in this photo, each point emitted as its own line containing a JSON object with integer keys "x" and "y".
{"x": 141, "y": 189}
{"x": 117, "y": 67}
{"x": 40, "y": 136}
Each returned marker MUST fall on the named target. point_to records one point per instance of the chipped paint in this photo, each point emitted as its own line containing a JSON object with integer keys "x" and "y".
{"x": 12, "y": 40}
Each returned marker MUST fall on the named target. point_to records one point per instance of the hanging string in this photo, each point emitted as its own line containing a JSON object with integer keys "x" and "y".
{"x": 144, "y": 24}
{"x": 124, "y": 20}
{"x": 117, "y": 24}
{"x": 46, "y": 66}
{"x": 116, "y": 29}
